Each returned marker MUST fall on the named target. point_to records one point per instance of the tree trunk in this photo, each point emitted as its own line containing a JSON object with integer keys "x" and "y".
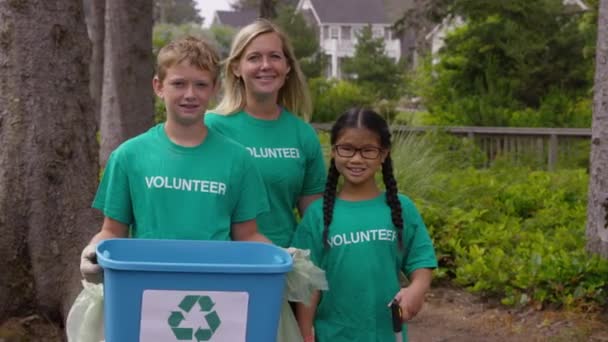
{"x": 127, "y": 105}
{"x": 267, "y": 9}
{"x": 597, "y": 212}
{"x": 48, "y": 155}
{"x": 95, "y": 16}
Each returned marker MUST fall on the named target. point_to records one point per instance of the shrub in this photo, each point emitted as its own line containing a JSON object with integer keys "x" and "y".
{"x": 332, "y": 98}
{"x": 517, "y": 235}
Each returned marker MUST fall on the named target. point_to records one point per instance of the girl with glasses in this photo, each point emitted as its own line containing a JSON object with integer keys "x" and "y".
{"x": 363, "y": 237}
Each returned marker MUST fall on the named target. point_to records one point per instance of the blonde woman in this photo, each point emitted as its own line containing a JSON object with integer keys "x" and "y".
{"x": 264, "y": 103}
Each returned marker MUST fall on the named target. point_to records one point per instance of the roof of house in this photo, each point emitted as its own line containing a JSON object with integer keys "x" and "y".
{"x": 241, "y": 17}
{"x": 236, "y": 19}
{"x": 396, "y": 8}
{"x": 350, "y": 11}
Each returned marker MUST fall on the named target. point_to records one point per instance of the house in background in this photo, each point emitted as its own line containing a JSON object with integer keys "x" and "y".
{"x": 236, "y": 19}
{"x": 244, "y": 16}
{"x": 338, "y": 23}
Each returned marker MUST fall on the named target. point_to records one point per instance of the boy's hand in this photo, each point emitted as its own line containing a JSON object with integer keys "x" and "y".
{"x": 410, "y": 302}
{"x": 89, "y": 268}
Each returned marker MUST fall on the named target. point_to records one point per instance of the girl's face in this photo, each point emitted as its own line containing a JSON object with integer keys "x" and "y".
{"x": 358, "y": 155}
{"x": 263, "y": 66}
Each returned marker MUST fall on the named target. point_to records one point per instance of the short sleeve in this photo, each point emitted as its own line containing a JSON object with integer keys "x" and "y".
{"x": 308, "y": 236}
{"x": 419, "y": 250}
{"x": 315, "y": 174}
{"x": 252, "y": 199}
{"x": 113, "y": 196}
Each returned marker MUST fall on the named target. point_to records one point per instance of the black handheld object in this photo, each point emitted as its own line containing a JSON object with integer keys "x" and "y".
{"x": 396, "y": 313}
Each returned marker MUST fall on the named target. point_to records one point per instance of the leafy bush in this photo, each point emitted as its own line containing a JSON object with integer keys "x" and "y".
{"x": 331, "y": 98}
{"x": 517, "y": 235}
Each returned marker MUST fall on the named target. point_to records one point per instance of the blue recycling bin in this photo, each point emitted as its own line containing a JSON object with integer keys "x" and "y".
{"x": 180, "y": 290}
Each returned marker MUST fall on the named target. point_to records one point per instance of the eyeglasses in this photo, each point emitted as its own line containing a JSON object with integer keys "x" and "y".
{"x": 349, "y": 151}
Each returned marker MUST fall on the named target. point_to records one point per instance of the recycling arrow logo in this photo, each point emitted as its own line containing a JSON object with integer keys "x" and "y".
{"x": 188, "y": 303}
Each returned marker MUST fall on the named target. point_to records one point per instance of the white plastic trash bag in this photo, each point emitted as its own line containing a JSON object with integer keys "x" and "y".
{"x": 302, "y": 281}
{"x": 85, "y": 319}
{"x": 304, "y": 278}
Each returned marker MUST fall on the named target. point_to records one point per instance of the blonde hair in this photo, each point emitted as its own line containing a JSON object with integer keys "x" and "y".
{"x": 197, "y": 52}
{"x": 293, "y": 95}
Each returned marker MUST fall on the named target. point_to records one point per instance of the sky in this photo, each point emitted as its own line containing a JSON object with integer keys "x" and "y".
{"x": 208, "y": 7}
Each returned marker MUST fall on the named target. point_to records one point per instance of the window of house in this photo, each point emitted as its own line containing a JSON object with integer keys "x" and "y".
{"x": 377, "y": 32}
{"x": 325, "y": 32}
{"x": 387, "y": 33}
{"x": 346, "y": 32}
{"x": 334, "y": 32}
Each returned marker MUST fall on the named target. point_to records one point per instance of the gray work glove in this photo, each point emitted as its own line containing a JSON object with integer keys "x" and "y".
{"x": 89, "y": 268}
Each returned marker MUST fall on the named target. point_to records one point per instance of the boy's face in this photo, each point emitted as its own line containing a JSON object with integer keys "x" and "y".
{"x": 186, "y": 91}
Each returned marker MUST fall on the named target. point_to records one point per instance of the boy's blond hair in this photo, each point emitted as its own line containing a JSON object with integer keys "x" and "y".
{"x": 293, "y": 96}
{"x": 195, "y": 51}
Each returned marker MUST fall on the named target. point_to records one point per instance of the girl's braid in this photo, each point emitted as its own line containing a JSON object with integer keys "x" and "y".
{"x": 329, "y": 198}
{"x": 392, "y": 198}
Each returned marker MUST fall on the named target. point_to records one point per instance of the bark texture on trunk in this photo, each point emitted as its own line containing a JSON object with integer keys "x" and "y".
{"x": 597, "y": 212}
{"x": 127, "y": 105}
{"x": 95, "y": 18}
{"x": 48, "y": 155}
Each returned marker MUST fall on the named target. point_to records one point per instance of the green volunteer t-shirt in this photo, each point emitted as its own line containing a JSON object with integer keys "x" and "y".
{"x": 166, "y": 191}
{"x": 288, "y": 154}
{"x": 362, "y": 265}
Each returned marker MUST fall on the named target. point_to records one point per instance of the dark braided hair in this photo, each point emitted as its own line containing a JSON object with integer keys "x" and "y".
{"x": 391, "y": 197}
{"x": 363, "y": 118}
{"x": 329, "y": 198}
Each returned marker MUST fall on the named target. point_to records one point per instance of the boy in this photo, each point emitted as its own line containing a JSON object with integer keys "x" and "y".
{"x": 179, "y": 180}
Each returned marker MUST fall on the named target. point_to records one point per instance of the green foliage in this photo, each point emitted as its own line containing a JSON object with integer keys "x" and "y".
{"x": 555, "y": 110}
{"x": 458, "y": 153}
{"x": 176, "y": 12}
{"x": 386, "y": 108}
{"x": 415, "y": 161}
{"x": 160, "y": 112}
{"x": 517, "y": 235}
{"x": 304, "y": 39}
{"x": 222, "y": 37}
{"x": 372, "y": 69}
{"x": 332, "y": 98}
{"x": 218, "y": 36}
{"x": 514, "y": 62}
{"x": 162, "y": 34}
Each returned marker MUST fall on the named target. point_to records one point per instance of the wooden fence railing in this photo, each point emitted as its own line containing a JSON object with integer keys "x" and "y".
{"x": 547, "y": 144}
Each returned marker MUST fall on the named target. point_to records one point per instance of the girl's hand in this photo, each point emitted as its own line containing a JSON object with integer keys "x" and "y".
{"x": 310, "y": 338}
{"x": 410, "y": 301}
